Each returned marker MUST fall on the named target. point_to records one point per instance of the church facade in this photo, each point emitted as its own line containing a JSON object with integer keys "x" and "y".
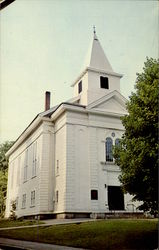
{"x": 62, "y": 164}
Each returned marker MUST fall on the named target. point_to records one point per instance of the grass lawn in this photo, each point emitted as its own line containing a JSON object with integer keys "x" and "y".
{"x": 106, "y": 234}
{"x": 16, "y": 223}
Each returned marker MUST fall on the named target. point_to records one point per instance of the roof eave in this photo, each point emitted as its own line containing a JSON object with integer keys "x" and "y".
{"x": 26, "y": 133}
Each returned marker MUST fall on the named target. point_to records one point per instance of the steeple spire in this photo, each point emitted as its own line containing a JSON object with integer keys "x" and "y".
{"x": 96, "y": 58}
{"x": 98, "y": 78}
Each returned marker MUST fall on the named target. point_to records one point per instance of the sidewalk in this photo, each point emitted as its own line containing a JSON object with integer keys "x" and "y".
{"x": 28, "y": 245}
{"x": 51, "y": 222}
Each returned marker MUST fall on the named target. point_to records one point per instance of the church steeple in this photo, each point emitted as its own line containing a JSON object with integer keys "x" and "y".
{"x": 98, "y": 78}
{"x": 96, "y": 57}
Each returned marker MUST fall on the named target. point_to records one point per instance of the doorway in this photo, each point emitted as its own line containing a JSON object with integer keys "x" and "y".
{"x": 115, "y": 198}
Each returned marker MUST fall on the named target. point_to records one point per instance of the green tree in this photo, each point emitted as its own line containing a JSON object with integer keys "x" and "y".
{"x": 4, "y": 147}
{"x": 3, "y": 191}
{"x": 137, "y": 154}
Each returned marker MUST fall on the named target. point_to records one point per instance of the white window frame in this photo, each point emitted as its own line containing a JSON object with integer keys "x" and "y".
{"x": 57, "y": 196}
{"x": 57, "y": 167}
{"x": 24, "y": 201}
{"x": 114, "y": 143}
{"x": 18, "y": 171}
{"x": 34, "y": 163}
{"x": 12, "y": 174}
{"x": 17, "y": 202}
{"x": 109, "y": 150}
{"x": 32, "y": 200}
{"x": 26, "y": 166}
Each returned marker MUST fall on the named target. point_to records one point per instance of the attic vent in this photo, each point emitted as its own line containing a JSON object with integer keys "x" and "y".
{"x": 104, "y": 82}
{"x": 80, "y": 87}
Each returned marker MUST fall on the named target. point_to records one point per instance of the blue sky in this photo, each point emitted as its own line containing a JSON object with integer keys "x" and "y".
{"x": 44, "y": 44}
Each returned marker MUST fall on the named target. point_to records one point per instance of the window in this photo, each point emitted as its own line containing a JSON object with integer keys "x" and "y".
{"x": 33, "y": 198}
{"x": 57, "y": 196}
{"x": 115, "y": 198}
{"x": 117, "y": 142}
{"x": 12, "y": 176}
{"x": 94, "y": 194}
{"x": 104, "y": 82}
{"x": 26, "y": 166}
{"x": 57, "y": 167}
{"x": 34, "y": 164}
{"x": 24, "y": 201}
{"x": 18, "y": 171}
{"x": 80, "y": 87}
{"x": 16, "y": 203}
{"x": 109, "y": 153}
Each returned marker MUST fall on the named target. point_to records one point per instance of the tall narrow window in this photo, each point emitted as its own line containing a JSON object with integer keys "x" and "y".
{"x": 18, "y": 171}
{"x": 33, "y": 198}
{"x": 12, "y": 176}
{"x": 24, "y": 201}
{"x": 117, "y": 142}
{"x": 80, "y": 87}
{"x": 34, "y": 164}
{"x": 57, "y": 196}
{"x": 109, "y": 153}
{"x": 104, "y": 82}
{"x": 57, "y": 167}
{"x": 26, "y": 165}
{"x": 16, "y": 203}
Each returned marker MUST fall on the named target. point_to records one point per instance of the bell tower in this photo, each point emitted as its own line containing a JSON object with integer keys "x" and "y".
{"x": 98, "y": 78}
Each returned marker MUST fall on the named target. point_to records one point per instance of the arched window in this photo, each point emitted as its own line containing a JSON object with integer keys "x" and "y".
{"x": 117, "y": 142}
{"x": 109, "y": 153}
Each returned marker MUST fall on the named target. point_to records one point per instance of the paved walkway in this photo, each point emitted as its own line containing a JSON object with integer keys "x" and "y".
{"x": 40, "y": 246}
{"x": 52, "y": 222}
{"x": 28, "y": 245}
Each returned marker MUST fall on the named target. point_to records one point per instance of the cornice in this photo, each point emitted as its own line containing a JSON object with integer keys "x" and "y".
{"x": 100, "y": 71}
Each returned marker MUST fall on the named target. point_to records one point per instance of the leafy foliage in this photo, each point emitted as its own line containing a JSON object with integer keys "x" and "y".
{"x": 13, "y": 209}
{"x": 4, "y": 147}
{"x": 137, "y": 154}
{"x": 3, "y": 191}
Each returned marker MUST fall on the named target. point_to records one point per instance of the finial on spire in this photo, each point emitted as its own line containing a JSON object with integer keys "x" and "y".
{"x": 94, "y": 29}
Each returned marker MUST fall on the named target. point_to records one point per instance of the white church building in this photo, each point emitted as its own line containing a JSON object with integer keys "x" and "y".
{"x": 62, "y": 164}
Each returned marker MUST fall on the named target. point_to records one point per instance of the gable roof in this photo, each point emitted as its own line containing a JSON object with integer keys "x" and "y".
{"x": 39, "y": 118}
{"x": 113, "y": 101}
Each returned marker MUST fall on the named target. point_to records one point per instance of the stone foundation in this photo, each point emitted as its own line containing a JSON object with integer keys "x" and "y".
{"x": 108, "y": 215}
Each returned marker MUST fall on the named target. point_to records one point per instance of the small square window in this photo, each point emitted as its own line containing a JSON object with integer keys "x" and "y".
{"x": 94, "y": 194}
{"x": 80, "y": 87}
{"x": 104, "y": 82}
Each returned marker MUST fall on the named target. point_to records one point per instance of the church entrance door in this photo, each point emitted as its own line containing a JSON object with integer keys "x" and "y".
{"x": 115, "y": 198}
